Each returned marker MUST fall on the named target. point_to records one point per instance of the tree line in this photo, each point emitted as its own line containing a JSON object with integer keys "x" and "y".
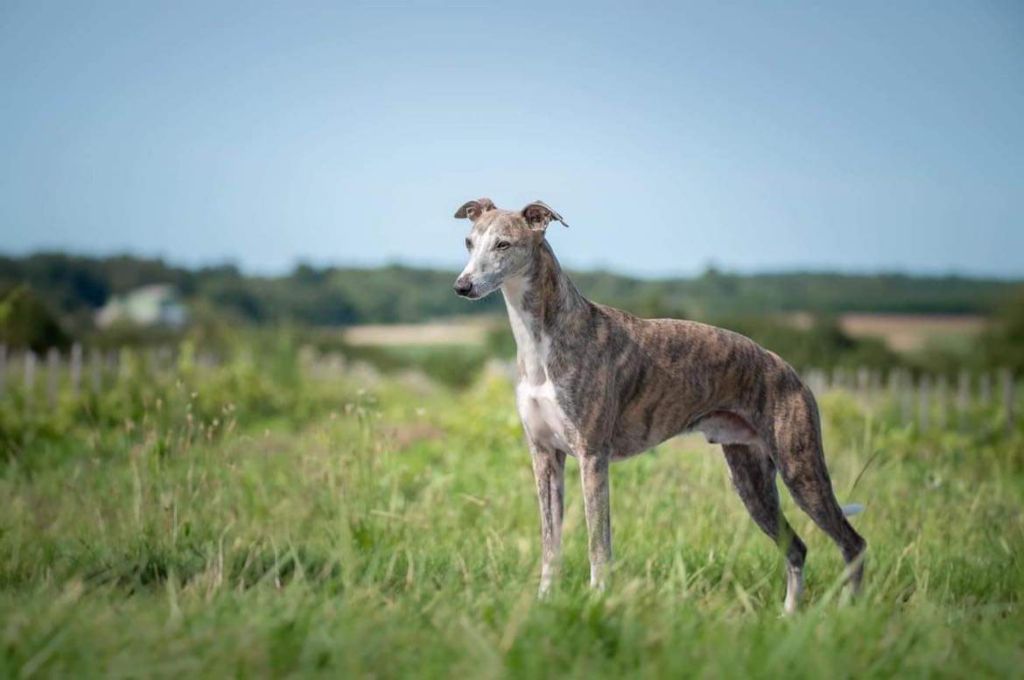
{"x": 74, "y": 287}
{"x": 49, "y": 299}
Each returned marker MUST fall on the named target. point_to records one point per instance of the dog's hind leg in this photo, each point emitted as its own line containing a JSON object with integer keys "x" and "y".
{"x": 753, "y": 475}
{"x": 801, "y": 461}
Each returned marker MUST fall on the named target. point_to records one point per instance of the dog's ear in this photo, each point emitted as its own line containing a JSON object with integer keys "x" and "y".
{"x": 474, "y": 209}
{"x": 538, "y": 214}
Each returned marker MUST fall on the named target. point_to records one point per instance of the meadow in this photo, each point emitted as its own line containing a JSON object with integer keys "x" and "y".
{"x": 275, "y": 514}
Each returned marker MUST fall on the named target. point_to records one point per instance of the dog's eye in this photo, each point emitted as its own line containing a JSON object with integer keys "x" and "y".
{"x": 469, "y": 244}
{"x": 502, "y": 245}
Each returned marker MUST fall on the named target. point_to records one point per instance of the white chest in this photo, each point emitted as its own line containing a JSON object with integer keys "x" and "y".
{"x": 543, "y": 419}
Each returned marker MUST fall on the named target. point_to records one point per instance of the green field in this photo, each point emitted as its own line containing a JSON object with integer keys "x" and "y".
{"x": 259, "y": 519}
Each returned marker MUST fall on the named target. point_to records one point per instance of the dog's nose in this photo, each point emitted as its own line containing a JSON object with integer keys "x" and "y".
{"x": 463, "y": 286}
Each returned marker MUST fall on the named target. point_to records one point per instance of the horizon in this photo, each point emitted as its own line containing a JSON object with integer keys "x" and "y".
{"x": 862, "y": 139}
{"x": 455, "y": 268}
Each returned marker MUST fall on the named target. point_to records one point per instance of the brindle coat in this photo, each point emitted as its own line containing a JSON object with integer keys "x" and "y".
{"x": 601, "y": 385}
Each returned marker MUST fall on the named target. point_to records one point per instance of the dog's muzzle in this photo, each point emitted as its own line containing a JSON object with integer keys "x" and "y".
{"x": 463, "y": 286}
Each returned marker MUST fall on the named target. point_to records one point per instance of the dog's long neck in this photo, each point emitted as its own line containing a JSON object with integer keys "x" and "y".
{"x": 542, "y": 302}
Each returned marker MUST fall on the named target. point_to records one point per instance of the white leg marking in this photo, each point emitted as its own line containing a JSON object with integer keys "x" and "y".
{"x": 547, "y": 577}
{"x": 598, "y": 576}
{"x": 794, "y": 588}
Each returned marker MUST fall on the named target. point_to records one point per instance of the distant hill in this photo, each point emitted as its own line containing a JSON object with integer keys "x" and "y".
{"x": 74, "y": 287}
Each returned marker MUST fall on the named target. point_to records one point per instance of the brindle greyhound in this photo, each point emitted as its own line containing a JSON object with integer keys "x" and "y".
{"x": 601, "y": 385}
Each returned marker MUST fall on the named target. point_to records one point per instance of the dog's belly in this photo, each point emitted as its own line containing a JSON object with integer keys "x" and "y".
{"x": 726, "y": 427}
{"x": 543, "y": 419}
{"x": 718, "y": 427}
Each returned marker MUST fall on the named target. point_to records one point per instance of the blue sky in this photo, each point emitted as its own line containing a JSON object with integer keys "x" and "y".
{"x": 763, "y": 136}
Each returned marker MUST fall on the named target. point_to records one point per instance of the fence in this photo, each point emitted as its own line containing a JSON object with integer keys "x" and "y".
{"x": 930, "y": 401}
{"x": 44, "y": 377}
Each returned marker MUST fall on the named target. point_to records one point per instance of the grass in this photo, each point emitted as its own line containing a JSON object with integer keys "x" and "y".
{"x": 231, "y": 524}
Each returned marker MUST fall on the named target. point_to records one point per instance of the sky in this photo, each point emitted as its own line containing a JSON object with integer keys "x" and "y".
{"x": 867, "y": 136}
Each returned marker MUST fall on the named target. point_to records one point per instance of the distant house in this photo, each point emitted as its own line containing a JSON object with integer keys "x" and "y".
{"x": 155, "y": 305}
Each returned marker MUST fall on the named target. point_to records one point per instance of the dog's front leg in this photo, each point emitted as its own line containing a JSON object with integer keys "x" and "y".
{"x": 549, "y": 473}
{"x": 597, "y": 505}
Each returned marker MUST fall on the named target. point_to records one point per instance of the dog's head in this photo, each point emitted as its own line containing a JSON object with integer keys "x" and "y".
{"x": 500, "y": 244}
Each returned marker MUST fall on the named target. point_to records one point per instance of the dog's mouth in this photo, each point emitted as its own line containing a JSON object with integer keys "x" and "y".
{"x": 477, "y": 289}
{"x": 471, "y": 290}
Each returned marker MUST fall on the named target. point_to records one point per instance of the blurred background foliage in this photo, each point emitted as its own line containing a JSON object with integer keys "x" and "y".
{"x": 51, "y": 300}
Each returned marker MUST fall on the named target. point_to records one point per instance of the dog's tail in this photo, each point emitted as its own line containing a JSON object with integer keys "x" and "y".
{"x": 851, "y": 509}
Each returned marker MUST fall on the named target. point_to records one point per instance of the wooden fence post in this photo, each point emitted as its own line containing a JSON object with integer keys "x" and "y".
{"x": 924, "y": 402}
{"x": 963, "y": 396}
{"x": 837, "y": 378}
{"x": 95, "y": 370}
{"x": 985, "y": 389}
{"x": 123, "y": 365}
{"x": 820, "y": 385}
{"x": 111, "y": 366}
{"x": 906, "y": 380}
{"x": 76, "y": 368}
{"x": 892, "y": 384}
{"x": 52, "y": 375}
{"x": 963, "y": 390}
{"x": 1009, "y": 393}
{"x": 942, "y": 396}
{"x": 819, "y": 381}
{"x": 863, "y": 380}
{"x": 30, "y": 375}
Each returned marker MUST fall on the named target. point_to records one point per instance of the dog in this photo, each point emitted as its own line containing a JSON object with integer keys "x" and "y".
{"x": 602, "y": 385}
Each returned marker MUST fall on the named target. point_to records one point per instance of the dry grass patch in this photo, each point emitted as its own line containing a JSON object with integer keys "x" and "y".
{"x": 456, "y": 331}
{"x": 912, "y": 332}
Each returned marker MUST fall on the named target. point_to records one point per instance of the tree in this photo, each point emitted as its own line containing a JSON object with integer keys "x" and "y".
{"x": 1002, "y": 345}
{"x": 25, "y": 322}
